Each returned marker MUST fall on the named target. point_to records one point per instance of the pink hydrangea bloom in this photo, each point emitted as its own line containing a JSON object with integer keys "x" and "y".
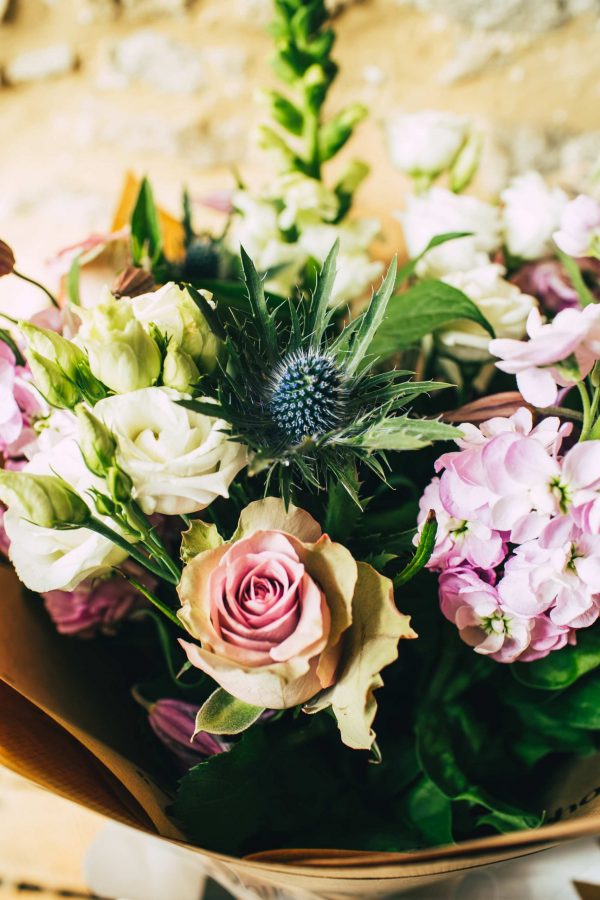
{"x": 561, "y": 352}
{"x": 579, "y": 231}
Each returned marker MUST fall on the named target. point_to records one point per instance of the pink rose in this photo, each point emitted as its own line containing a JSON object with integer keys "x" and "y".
{"x": 284, "y": 614}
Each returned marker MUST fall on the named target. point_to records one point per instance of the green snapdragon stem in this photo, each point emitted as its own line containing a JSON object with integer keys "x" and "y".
{"x": 37, "y": 284}
{"x": 594, "y": 420}
{"x": 154, "y": 566}
{"x": 156, "y": 546}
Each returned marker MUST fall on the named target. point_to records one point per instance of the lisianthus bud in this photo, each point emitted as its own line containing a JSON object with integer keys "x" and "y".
{"x": 179, "y": 370}
{"x": 132, "y": 282}
{"x": 174, "y": 723}
{"x": 95, "y": 606}
{"x": 122, "y": 355}
{"x": 45, "y": 500}
{"x": 96, "y": 443}
{"x": 7, "y": 259}
{"x": 119, "y": 484}
{"x": 52, "y": 383}
{"x": 46, "y": 343}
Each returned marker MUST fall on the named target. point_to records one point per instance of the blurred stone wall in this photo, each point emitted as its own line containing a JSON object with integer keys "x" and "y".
{"x": 91, "y": 88}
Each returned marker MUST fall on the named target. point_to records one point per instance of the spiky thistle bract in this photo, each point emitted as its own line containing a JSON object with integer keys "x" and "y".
{"x": 305, "y": 397}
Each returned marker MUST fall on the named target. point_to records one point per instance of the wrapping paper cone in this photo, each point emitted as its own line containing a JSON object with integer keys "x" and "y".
{"x": 65, "y": 725}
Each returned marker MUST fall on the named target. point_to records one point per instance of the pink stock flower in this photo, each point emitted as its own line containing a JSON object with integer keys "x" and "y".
{"x": 579, "y": 231}
{"x": 561, "y": 352}
{"x": 548, "y": 282}
{"x": 174, "y": 723}
{"x": 20, "y": 404}
{"x": 93, "y": 607}
{"x": 474, "y": 607}
{"x": 524, "y": 593}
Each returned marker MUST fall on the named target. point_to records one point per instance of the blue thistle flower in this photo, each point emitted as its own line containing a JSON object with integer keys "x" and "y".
{"x": 307, "y": 396}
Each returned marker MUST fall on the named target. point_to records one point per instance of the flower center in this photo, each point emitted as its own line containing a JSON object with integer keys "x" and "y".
{"x": 497, "y": 623}
{"x": 561, "y": 494}
{"x": 308, "y": 396}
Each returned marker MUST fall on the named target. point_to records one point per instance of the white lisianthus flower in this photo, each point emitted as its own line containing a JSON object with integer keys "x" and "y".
{"x": 179, "y": 461}
{"x": 306, "y": 201}
{"x": 176, "y": 315}
{"x": 356, "y": 271}
{"x": 122, "y": 355}
{"x": 504, "y": 306}
{"x": 579, "y": 232}
{"x": 531, "y": 213}
{"x": 256, "y": 229}
{"x": 47, "y": 559}
{"x": 427, "y": 142}
{"x": 439, "y": 211}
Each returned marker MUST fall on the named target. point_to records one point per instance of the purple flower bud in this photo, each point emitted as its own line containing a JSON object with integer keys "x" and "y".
{"x": 93, "y": 607}
{"x": 548, "y": 281}
{"x": 173, "y": 722}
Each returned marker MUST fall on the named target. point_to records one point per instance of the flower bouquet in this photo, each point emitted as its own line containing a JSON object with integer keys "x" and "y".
{"x": 242, "y": 495}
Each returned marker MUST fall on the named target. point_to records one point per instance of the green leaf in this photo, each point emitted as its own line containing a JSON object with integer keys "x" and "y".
{"x": 370, "y": 321}
{"x": 207, "y": 311}
{"x": 408, "y": 269}
{"x": 146, "y": 236}
{"x": 73, "y": 282}
{"x": 574, "y": 272}
{"x": 316, "y": 319}
{"x": 286, "y": 113}
{"x": 256, "y": 295}
{"x": 421, "y": 310}
{"x": 402, "y": 433}
{"x": 564, "y": 667}
{"x": 224, "y": 714}
{"x": 425, "y": 806}
{"x": 335, "y": 133}
{"x": 423, "y": 552}
{"x": 199, "y": 537}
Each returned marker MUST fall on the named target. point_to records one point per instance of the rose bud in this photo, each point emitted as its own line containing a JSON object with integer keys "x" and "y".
{"x": 174, "y": 723}
{"x": 7, "y": 259}
{"x": 132, "y": 282}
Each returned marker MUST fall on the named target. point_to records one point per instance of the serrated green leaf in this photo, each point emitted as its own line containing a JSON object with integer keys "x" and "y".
{"x": 224, "y": 714}
{"x": 256, "y": 295}
{"x": 422, "y": 310}
{"x": 370, "y": 321}
{"x": 402, "y": 433}
{"x": 316, "y": 320}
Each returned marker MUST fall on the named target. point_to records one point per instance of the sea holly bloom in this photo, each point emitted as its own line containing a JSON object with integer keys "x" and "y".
{"x": 561, "y": 352}
{"x": 579, "y": 232}
{"x": 284, "y": 616}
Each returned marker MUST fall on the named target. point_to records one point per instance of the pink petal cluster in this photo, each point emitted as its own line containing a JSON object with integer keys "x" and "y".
{"x": 579, "y": 232}
{"x": 174, "y": 724}
{"x": 95, "y": 606}
{"x": 518, "y": 543}
{"x": 561, "y": 352}
{"x": 20, "y": 405}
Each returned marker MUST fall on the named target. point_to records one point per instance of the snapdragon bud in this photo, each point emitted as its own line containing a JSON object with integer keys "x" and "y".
{"x": 467, "y": 162}
{"x": 180, "y": 372}
{"x": 52, "y": 383}
{"x": 96, "y": 443}
{"x": 45, "y": 500}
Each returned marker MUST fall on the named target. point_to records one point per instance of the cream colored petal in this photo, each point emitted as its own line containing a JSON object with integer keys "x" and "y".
{"x": 270, "y": 514}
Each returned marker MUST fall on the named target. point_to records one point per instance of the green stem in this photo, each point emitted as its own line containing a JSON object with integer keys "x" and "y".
{"x": 37, "y": 284}
{"x": 587, "y": 411}
{"x": 561, "y": 411}
{"x": 313, "y": 156}
{"x": 132, "y": 550}
{"x": 595, "y": 421}
{"x": 150, "y": 537}
{"x": 156, "y": 601}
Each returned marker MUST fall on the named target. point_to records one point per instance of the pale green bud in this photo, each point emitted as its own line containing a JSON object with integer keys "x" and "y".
{"x": 119, "y": 484}
{"x": 121, "y": 353}
{"x": 96, "y": 443}
{"x": 352, "y": 176}
{"x": 45, "y": 500}
{"x": 179, "y": 370}
{"x": 55, "y": 348}
{"x": 466, "y": 163}
{"x": 336, "y": 133}
{"x": 316, "y": 83}
{"x": 51, "y": 382}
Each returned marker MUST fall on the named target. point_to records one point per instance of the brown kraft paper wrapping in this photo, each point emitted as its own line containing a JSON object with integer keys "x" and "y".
{"x": 66, "y": 730}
